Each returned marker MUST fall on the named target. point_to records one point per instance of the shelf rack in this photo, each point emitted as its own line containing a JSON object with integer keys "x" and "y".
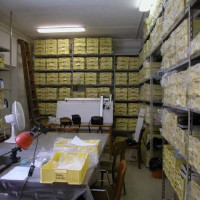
{"x": 77, "y": 87}
{"x": 184, "y": 64}
{"x": 126, "y": 133}
{"x": 5, "y": 70}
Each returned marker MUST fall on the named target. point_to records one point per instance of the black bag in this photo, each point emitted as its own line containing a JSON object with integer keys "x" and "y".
{"x": 155, "y": 163}
{"x": 76, "y": 119}
{"x": 97, "y": 120}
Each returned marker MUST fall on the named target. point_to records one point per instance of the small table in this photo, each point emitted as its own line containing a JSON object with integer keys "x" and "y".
{"x": 36, "y": 190}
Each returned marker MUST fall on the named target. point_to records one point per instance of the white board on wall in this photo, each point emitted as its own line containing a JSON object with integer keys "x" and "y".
{"x": 85, "y": 108}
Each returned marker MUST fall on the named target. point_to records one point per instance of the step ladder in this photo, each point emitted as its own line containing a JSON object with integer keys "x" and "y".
{"x": 29, "y": 80}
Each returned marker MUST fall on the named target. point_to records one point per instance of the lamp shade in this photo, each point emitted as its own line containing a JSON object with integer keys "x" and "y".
{"x": 24, "y": 140}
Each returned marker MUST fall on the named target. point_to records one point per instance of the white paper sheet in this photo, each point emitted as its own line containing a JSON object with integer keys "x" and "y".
{"x": 140, "y": 122}
{"x": 17, "y": 173}
{"x": 78, "y": 142}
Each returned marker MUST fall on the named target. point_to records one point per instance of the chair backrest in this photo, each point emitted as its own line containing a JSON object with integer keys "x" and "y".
{"x": 100, "y": 194}
{"x": 119, "y": 181}
{"x": 119, "y": 149}
{"x": 141, "y": 134}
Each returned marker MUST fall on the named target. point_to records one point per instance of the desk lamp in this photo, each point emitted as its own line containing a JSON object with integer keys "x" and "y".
{"x": 24, "y": 141}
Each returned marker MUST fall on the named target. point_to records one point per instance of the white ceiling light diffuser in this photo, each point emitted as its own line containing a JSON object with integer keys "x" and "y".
{"x": 61, "y": 29}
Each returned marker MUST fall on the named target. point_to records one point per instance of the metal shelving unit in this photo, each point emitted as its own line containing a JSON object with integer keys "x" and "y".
{"x": 126, "y": 116}
{"x": 4, "y": 71}
{"x": 123, "y": 133}
{"x": 183, "y": 65}
{"x": 80, "y": 87}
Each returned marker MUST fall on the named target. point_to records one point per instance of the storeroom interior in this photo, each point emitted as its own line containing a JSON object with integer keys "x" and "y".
{"x": 100, "y": 100}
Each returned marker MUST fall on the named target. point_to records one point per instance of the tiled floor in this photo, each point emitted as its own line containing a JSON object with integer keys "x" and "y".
{"x": 140, "y": 185}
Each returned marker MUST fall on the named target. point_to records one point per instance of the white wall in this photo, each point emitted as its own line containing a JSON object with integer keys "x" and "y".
{"x": 16, "y": 77}
{"x": 127, "y": 46}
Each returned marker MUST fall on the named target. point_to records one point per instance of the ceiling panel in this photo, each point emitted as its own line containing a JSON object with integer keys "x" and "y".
{"x": 116, "y": 18}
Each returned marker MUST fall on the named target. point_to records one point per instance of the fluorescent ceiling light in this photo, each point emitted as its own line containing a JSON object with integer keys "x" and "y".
{"x": 61, "y": 29}
{"x": 144, "y": 5}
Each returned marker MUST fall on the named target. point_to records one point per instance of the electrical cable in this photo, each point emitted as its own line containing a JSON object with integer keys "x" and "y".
{"x": 6, "y": 153}
{"x": 30, "y": 170}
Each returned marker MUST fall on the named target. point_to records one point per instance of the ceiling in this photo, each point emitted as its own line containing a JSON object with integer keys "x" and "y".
{"x": 117, "y": 18}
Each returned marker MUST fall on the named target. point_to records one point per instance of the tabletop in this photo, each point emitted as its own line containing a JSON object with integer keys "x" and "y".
{"x": 58, "y": 191}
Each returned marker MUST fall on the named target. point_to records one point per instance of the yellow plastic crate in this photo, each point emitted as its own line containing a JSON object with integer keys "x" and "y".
{"x": 64, "y": 93}
{"x": 195, "y": 189}
{"x": 39, "y": 47}
{"x": 90, "y": 78}
{"x": 78, "y": 63}
{"x": 133, "y": 109}
{"x": 78, "y": 78}
{"x": 133, "y": 63}
{"x": 121, "y": 78}
{"x": 92, "y": 50}
{"x": 104, "y": 91}
{"x": 51, "y": 64}
{"x": 92, "y": 63}
{"x": 121, "y": 124}
{"x": 64, "y": 78}
{"x": 65, "y": 143}
{"x": 50, "y": 174}
{"x": 91, "y": 92}
{"x": 120, "y": 109}
{"x": 63, "y": 47}
{"x": 51, "y": 47}
{"x": 194, "y": 157}
{"x": 40, "y": 93}
{"x": 79, "y": 50}
{"x": 51, "y": 93}
{"x": 121, "y": 93}
{"x": 40, "y": 78}
{"x": 42, "y": 108}
{"x": 51, "y": 108}
{"x": 133, "y": 93}
{"x": 92, "y": 42}
{"x": 78, "y": 94}
{"x": 122, "y": 62}
{"x": 2, "y": 96}
{"x": 106, "y": 63}
{"x": 64, "y": 63}
{"x": 105, "y": 41}
{"x": 105, "y": 78}
{"x": 52, "y": 78}
{"x": 79, "y": 42}
{"x": 2, "y": 61}
{"x": 105, "y": 50}
{"x": 39, "y": 64}
{"x": 131, "y": 126}
{"x": 133, "y": 79}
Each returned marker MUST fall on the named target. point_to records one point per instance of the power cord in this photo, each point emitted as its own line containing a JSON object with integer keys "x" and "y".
{"x": 30, "y": 173}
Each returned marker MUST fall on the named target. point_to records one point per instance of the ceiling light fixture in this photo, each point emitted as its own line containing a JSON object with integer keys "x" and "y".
{"x": 61, "y": 29}
{"x": 144, "y": 5}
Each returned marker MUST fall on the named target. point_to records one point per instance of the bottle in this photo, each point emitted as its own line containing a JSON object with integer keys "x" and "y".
{"x": 1, "y": 83}
{"x": 5, "y": 103}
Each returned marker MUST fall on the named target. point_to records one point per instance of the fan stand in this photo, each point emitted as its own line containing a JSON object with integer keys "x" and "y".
{"x": 12, "y": 138}
{"x": 7, "y": 161}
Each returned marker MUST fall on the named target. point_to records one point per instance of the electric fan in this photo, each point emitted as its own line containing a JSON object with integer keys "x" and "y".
{"x": 16, "y": 119}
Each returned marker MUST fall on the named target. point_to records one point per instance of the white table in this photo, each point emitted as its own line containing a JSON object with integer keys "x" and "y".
{"x": 56, "y": 191}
